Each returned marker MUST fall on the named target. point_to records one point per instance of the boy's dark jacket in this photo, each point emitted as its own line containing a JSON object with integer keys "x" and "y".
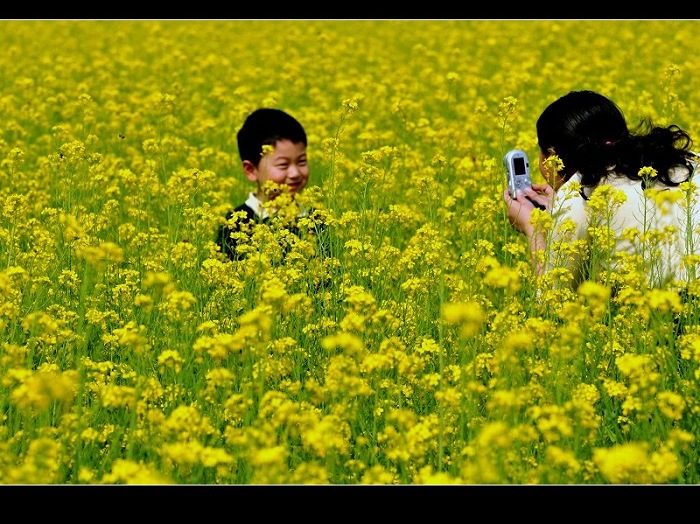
{"x": 246, "y": 222}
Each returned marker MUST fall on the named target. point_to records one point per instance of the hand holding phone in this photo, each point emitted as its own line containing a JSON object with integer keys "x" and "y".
{"x": 518, "y": 173}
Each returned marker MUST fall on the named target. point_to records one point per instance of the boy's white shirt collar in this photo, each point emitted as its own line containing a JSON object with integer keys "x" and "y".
{"x": 256, "y": 205}
{"x": 261, "y": 212}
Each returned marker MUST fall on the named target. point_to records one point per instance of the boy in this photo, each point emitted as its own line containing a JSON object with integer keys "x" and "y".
{"x": 272, "y": 148}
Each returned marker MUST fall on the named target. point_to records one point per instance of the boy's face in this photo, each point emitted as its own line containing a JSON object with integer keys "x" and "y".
{"x": 286, "y": 165}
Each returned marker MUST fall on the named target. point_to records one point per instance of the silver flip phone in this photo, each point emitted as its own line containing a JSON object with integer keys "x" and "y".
{"x": 517, "y": 170}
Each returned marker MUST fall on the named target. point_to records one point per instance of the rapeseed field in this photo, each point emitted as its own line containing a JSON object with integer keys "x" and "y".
{"x": 416, "y": 350}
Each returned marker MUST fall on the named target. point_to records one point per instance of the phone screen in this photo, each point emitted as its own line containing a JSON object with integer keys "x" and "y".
{"x": 519, "y": 165}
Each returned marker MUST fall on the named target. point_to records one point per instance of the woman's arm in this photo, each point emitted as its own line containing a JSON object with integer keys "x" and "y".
{"x": 519, "y": 214}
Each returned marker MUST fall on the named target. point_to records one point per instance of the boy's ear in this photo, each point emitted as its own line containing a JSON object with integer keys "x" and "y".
{"x": 250, "y": 170}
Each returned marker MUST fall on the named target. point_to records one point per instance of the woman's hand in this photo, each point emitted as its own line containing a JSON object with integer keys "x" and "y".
{"x": 541, "y": 194}
{"x": 520, "y": 208}
{"x": 519, "y": 212}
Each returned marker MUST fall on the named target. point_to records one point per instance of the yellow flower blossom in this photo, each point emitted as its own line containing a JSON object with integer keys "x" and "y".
{"x": 328, "y": 435}
{"x": 170, "y": 359}
{"x": 38, "y": 389}
{"x": 267, "y": 456}
{"x": 632, "y": 463}
{"x": 378, "y": 474}
{"x": 562, "y": 458}
{"x": 469, "y": 316}
{"x": 349, "y": 343}
{"x": 132, "y": 472}
{"x": 623, "y": 464}
{"x": 116, "y": 396}
{"x": 186, "y": 423}
{"x": 671, "y": 405}
{"x": 133, "y": 337}
{"x": 553, "y": 163}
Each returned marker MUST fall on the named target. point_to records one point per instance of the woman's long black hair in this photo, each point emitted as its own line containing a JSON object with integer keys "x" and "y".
{"x": 588, "y": 132}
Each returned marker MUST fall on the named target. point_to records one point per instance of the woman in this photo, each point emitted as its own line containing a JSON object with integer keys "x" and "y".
{"x": 597, "y": 172}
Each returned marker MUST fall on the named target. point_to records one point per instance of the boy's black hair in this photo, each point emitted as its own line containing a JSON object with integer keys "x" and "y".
{"x": 265, "y": 126}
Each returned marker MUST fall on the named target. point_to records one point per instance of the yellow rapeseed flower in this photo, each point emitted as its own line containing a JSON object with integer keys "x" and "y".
{"x": 170, "y": 359}
{"x": 116, "y": 395}
{"x": 469, "y": 316}
{"x": 623, "y": 463}
{"x": 133, "y": 472}
{"x": 562, "y": 458}
{"x": 553, "y": 163}
{"x": 38, "y": 389}
{"x": 670, "y": 404}
{"x": 328, "y": 435}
